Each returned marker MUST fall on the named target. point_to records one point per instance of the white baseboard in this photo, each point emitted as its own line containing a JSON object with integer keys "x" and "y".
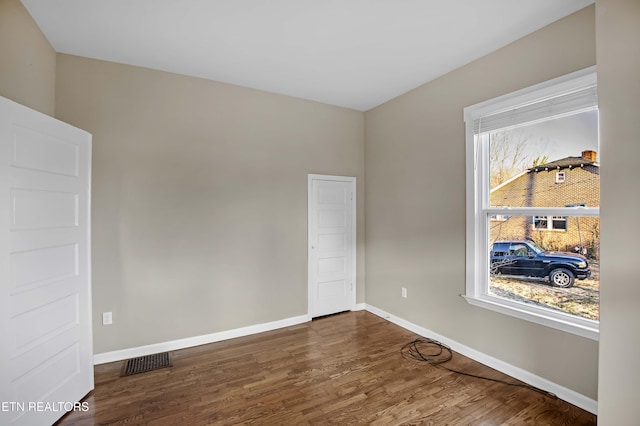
{"x": 561, "y": 392}
{"x": 105, "y": 357}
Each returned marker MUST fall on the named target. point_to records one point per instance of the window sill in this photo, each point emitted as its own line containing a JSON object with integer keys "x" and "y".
{"x": 557, "y": 320}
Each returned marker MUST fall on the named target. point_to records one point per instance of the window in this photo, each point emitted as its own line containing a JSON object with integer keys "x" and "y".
{"x": 550, "y": 223}
{"x": 533, "y": 245}
{"x": 519, "y": 250}
{"x": 499, "y": 217}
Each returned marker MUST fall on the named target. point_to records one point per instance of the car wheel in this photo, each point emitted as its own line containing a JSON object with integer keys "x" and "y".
{"x": 561, "y": 277}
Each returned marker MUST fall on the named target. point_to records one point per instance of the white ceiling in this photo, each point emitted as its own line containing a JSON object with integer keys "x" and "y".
{"x": 352, "y": 53}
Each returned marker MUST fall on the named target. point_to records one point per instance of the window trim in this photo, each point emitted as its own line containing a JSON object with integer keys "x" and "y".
{"x": 478, "y": 210}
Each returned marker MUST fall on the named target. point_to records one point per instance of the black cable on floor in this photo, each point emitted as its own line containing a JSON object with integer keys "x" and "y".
{"x": 436, "y": 353}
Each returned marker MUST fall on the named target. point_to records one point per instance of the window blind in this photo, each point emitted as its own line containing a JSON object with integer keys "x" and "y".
{"x": 576, "y": 101}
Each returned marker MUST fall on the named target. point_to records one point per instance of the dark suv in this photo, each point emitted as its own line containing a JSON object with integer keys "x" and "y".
{"x": 524, "y": 258}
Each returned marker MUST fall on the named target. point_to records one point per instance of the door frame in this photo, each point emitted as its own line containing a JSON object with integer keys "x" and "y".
{"x": 311, "y": 230}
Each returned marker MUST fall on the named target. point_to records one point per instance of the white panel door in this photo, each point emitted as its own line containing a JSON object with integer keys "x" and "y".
{"x": 46, "y": 359}
{"x": 332, "y": 240}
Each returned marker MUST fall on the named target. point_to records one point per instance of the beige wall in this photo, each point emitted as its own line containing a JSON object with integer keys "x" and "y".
{"x": 415, "y": 205}
{"x": 27, "y": 60}
{"x": 618, "y": 54}
{"x": 200, "y": 198}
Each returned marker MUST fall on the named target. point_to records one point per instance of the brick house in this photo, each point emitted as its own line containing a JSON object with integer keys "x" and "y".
{"x": 570, "y": 181}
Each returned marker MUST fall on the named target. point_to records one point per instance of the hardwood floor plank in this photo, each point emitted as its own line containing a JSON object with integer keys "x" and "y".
{"x": 345, "y": 369}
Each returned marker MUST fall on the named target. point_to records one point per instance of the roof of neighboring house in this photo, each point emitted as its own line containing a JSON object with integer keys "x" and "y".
{"x": 564, "y": 163}
{"x": 542, "y": 189}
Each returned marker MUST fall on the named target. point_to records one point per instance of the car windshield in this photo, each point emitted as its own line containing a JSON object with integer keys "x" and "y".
{"x": 535, "y": 247}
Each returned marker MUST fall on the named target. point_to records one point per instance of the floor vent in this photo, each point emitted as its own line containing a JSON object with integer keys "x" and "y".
{"x": 146, "y": 363}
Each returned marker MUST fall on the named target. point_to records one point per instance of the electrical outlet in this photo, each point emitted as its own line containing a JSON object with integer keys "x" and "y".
{"x": 107, "y": 318}
{"x": 404, "y": 292}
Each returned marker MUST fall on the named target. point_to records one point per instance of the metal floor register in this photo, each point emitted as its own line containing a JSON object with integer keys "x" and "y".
{"x": 146, "y": 363}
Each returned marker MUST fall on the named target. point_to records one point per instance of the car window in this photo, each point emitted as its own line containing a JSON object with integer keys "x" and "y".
{"x": 500, "y": 249}
{"x": 519, "y": 250}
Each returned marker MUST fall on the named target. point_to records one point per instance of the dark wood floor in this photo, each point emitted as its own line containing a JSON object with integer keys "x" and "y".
{"x": 344, "y": 369}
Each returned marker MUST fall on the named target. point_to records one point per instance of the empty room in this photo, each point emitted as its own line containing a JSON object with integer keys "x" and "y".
{"x": 319, "y": 212}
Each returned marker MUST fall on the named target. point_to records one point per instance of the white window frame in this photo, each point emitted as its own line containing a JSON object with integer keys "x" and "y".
{"x": 561, "y": 177}
{"x": 479, "y": 209}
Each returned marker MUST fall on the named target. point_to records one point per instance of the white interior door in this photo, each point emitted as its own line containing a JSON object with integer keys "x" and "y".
{"x": 332, "y": 242}
{"x": 45, "y": 301}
